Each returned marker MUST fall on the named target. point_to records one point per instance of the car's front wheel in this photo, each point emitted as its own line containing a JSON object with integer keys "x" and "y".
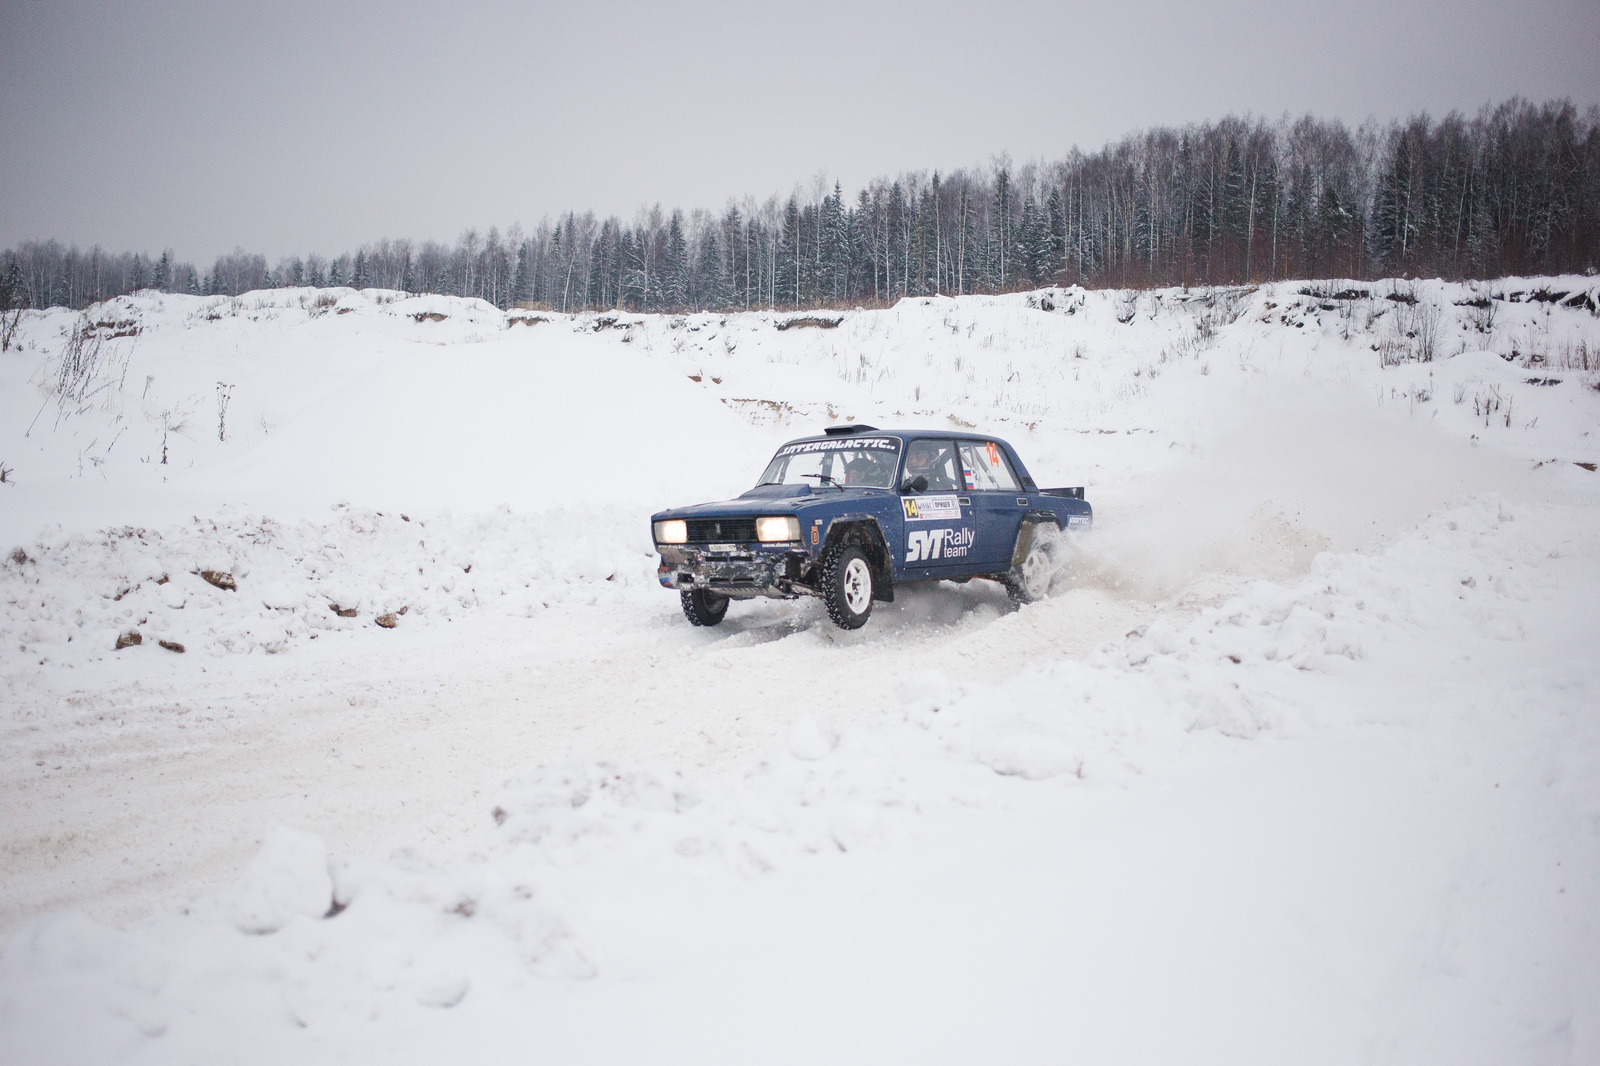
{"x": 847, "y": 586}
{"x": 703, "y": 608}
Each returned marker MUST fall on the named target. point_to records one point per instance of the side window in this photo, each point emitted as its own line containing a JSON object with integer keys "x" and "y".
{"x": 984, "y": 467}
{"x": 934, "y": 460}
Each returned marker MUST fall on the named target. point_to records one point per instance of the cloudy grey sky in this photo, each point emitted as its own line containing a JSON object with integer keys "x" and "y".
{"x": 297, "y": 127}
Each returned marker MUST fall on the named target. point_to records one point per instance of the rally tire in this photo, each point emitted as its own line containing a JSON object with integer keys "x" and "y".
{"x": 1029, "y": 581}
{"x": 703, "y": 608}
{"x": 847, "y": 586}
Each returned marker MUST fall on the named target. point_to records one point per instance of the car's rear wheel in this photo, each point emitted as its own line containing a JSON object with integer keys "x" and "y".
{"x": 703, "y": 608}
{"x": 847, "y": 586}
{"x": 1029, "y": 581}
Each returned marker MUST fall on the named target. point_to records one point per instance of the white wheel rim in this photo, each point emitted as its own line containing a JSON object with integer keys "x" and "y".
{"x": 857, "y": 585}
{"x": 1034, "y": 573}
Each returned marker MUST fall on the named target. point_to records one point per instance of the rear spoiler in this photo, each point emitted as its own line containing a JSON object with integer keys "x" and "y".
{"x": 1074, "y": 493}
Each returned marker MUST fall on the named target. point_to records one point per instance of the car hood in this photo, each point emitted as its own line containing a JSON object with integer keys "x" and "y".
{"x": 774, "y": 499}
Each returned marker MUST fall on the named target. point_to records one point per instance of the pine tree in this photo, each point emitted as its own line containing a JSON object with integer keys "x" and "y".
{"x": 599, "y": 287}
{"x": 1003, "y": 254}
{"x": 1482, "y": 244}
{"x": 708, "y": 278}
{"x": 497, "y": 270}
{"x": 897, "y": 248}
{"x": 1056, "y": 219}
{"x": 163, "y": 274}
{"x": 522, "y": 285}
{"x": 967, "y": 272}
{"x": 788, "y": 264}
{"x": 635, "y": 289}
{"x": 560, "y": 264}
{"x": 1343, "y": 227}
{"x": 925, "y": 238}
{"x": 835, "y": 251}
{"x": 675, "y": 271}
{"x": 358, "y": 277}
{"x": 859, "y": 226}
{"x": 1034, "y": 243}
{"x": 737, "y": 258}
{"x": 1396, "y": 206}
{"x": 335, "y": 278}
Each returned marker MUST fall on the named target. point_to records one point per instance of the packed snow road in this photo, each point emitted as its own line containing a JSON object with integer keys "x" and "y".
{"x": 1298, "y": 765}
{"x": 138, "y": 793}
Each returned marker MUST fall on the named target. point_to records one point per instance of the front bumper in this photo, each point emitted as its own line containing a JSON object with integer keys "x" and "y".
{"x": 741, "y": 571}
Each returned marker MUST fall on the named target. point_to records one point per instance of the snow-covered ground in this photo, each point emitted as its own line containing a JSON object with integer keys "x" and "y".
{"x": 1301, "y": 763}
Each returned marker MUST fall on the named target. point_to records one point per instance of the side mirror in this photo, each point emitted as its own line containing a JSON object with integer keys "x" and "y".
{"x": 916, "y": 484}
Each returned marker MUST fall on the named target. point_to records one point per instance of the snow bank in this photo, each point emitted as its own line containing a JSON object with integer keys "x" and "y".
{"x": 190, "y": 413}
{"x": 71, "y": 597}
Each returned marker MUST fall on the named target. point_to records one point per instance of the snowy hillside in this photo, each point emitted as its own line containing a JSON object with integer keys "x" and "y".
{"x": 1299, "y": 764}
{"x": 390, "y": 405}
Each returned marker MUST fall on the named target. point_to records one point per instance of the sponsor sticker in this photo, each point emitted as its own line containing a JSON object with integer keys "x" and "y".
{"x": 1078, "y": 521}
{"x": 926, "y": 545}
{"x": 930, "y": 508}
{"x": 842, "y": 444}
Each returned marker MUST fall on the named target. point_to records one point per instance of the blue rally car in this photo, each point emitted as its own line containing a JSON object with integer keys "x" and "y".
{"x": 849, "y": 514}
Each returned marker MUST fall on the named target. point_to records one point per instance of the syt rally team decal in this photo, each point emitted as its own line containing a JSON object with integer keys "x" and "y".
{"x": 925, "y": 545}
{"x": 930, "y": 508}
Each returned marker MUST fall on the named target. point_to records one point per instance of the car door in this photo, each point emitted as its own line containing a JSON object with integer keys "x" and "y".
{"x": 994, "y": 492}
{"x": 938, "y": 530}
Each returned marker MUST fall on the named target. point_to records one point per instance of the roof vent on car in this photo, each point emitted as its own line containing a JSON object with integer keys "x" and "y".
{"x": 854, "y": 427}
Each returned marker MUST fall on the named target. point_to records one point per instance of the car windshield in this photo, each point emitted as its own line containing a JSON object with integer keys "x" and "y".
{"x": 847, "y": 462}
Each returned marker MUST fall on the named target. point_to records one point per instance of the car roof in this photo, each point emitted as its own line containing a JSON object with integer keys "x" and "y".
{"x": 903, "y": 434}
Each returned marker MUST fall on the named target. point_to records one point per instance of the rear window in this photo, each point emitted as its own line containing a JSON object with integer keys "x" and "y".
{"x": 984, "y": 467}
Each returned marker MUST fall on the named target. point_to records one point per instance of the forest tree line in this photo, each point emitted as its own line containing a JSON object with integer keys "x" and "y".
{"x": 1514, "y": 190}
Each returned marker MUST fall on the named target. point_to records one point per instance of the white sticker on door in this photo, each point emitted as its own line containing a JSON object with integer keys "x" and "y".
{"x": 930, "y": 508}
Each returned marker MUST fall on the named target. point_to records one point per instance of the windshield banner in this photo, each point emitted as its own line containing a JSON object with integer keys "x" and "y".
{"x": 842, "y": 444}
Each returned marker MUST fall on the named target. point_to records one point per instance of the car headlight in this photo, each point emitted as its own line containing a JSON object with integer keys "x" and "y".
{"x": 672, "y": 531}
{"x": 777, "y": 528}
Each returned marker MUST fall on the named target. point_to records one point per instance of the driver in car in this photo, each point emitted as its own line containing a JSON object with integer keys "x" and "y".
{"x": 869, "y": 470}
{"x": 926, "y": 458}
